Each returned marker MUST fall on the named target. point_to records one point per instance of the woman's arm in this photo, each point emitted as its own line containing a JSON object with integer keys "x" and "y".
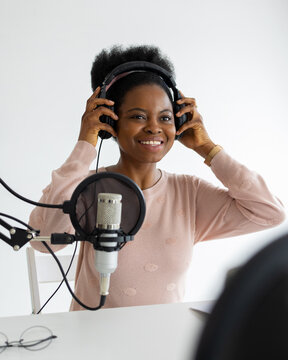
{"x": 245, "y": 206}
{"x": 73, "y": 171}
{"x": 64, "y": 181}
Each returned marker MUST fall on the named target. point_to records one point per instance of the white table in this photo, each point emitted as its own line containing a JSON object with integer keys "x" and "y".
{"x": 142, "y": 332}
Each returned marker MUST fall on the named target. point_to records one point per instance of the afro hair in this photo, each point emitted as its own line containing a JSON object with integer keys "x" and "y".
{"x": 107, "y": 60}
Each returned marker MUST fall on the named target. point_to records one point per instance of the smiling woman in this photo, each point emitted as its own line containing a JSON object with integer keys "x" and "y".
{"x": 145, "y": 132}
{"x": 145, "y": 122}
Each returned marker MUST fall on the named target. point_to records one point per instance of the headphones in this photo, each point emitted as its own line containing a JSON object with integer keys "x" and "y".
{"x": 141, "y": 66}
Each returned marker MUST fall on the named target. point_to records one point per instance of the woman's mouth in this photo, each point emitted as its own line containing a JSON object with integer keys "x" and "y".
{"x": 151, "y": 142}
{"x": 151, "y": 145}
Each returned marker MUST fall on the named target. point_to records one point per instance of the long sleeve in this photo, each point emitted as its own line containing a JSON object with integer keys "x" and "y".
{"x": 246, "y": 205}
{"x": 64, "y": 181}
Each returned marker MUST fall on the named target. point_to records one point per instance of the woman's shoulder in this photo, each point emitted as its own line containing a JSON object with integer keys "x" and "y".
{"x": 179, "y": 178}
{"x": 182, "y": 182}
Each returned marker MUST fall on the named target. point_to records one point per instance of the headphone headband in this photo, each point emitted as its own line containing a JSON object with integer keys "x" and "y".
{"x": 140, "y": 65}
{"x": 131, "y": 66}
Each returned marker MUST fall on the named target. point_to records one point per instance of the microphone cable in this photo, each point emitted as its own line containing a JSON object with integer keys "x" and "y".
{"x": 19, "y": 221}
{"x": 57, "y": 206}
{"x": 103, "y": 297}
{"x": 62, "y": 281}
{"x": 53, "y": 206}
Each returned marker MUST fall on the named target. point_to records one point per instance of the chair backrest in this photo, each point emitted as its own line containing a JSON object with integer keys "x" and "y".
{"x": 42, "y": 269}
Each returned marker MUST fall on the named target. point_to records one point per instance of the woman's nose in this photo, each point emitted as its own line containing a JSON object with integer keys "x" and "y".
{"x": 153, "y": 127}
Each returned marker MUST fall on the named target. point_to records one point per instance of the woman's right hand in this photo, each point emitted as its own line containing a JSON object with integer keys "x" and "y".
{"x": 90, "y": 123}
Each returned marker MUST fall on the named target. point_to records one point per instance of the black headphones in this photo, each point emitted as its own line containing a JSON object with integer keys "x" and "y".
{"x": 141, "y": 66}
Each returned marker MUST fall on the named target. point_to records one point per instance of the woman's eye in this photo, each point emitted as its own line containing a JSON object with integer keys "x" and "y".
{"x": 138, "y": 117}
{"x": 166, "y": 118}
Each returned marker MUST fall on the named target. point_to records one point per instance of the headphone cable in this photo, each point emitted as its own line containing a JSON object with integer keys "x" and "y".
{"x": 98, "y": 155}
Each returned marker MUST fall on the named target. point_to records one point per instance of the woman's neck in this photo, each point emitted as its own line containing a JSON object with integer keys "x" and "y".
{"x": 144, "y": 175}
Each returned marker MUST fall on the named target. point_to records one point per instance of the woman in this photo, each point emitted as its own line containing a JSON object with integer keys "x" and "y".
{"x": 152, "y": 269}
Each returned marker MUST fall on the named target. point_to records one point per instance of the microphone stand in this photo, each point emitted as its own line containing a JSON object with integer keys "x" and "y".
{"x": 102, "y": 239}
{"x": 19, "y": 237}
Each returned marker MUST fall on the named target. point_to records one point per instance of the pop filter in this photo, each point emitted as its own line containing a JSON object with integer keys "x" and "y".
{"x": 82, "y": 208}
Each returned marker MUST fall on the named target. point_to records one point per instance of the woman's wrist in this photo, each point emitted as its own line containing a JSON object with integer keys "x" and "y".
{"x": 211, "y": 154}
{"x": 205, "y": 149}
{"x": 90, "y": 138}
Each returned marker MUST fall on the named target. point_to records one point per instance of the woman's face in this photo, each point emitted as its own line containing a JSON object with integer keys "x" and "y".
{"x": 146, "y": 128}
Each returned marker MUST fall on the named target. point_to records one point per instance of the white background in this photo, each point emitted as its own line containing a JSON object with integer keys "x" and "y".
{"x": 230, "y": 55}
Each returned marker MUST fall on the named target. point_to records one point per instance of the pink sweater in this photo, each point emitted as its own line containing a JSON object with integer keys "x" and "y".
{"x": 180, "y": 211}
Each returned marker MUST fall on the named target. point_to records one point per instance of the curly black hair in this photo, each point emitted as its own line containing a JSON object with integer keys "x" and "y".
{"x": 107, "y": 60}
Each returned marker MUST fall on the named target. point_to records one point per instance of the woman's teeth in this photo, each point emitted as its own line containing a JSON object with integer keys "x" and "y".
{"x": 150, "y": 142}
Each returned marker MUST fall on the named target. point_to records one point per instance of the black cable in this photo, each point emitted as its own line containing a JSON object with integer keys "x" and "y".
{"x": 21, "y": 222}
{"x": 93, "y": 198}
{"x": 57, "y": 206}
{"x": 58, "y": 262}
{"x": 98, "y": 155}
{"x": 103, "y": 297}
{"x": 54, "y": 206}
{"x": 62, "y": 281}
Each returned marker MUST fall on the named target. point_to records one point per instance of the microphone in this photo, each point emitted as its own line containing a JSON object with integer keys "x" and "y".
{"x": 108, "y": 221}
{"x": 104, "y": 234}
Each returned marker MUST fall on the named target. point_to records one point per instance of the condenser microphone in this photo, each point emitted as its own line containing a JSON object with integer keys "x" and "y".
{"x": 108, "y": 221}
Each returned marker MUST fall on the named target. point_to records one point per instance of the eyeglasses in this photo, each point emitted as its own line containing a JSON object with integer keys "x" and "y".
{"x": 34, "y": 338}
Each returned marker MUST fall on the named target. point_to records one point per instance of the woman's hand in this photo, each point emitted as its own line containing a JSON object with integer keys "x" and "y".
{"x": 194, "y": 135}
{"x": 91, "y": 124}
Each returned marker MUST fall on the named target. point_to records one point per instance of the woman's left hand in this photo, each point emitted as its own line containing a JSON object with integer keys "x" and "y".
{"x": 194, "y": 135}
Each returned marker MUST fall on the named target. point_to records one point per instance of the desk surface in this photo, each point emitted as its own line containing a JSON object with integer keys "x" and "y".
{"x": 142, "y": 332}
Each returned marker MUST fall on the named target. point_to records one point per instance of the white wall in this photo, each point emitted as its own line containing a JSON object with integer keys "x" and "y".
{"x": 230, "y": 55}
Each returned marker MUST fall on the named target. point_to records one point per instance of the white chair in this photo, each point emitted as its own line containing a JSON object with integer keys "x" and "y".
{"x": 43, "y": 269}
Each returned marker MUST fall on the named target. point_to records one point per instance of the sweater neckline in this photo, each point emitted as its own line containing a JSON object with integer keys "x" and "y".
{"x": 153, "y": 188}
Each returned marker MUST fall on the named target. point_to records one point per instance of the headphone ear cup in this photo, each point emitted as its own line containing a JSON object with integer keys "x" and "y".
{"x": 105, "y": 118}
{"x": 179, "y": 121}
{"x": 108, "y": 120}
